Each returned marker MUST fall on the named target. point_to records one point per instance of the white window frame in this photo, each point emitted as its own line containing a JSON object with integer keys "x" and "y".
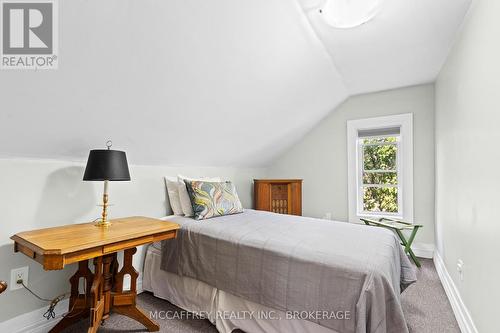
{"x": 404, "y": 165}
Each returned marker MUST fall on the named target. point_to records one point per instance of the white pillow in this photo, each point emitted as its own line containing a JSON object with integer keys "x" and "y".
{"x": 187, "y": 209}
{"x": 173, "y": 195}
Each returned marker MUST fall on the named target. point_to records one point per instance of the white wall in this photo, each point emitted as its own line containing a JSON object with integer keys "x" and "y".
{"x": 467, "y": 161}
{"x": 43, "y": 193}
{"x": 321, "y": 157}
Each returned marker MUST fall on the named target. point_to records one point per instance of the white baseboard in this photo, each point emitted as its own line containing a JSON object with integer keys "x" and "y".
{"x": 423, "y": 250}
{"x": 463, "y": 316}
{"x": 34, "y": 322}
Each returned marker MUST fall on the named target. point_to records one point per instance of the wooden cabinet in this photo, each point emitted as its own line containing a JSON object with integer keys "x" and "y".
{"x": 282, "y": 196}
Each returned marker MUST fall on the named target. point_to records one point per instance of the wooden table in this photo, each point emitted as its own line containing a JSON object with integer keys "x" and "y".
{"x": 56, "y": 247}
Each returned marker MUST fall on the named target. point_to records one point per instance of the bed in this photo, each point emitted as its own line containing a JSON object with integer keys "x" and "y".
{"x": 265, "y": 272}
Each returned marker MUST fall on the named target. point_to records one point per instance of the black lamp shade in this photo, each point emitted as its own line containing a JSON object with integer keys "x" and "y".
{"x": 106, "y": 164}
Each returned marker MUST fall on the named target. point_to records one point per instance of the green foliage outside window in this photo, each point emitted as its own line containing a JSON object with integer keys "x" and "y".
{"x": 380, "y": 199}
{"x": 380, "y": 168}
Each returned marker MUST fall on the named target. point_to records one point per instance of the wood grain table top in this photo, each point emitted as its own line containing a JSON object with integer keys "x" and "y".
{"x": 74, "y": 242}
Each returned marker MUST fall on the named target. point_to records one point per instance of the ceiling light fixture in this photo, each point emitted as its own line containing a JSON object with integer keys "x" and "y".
{"x": 349, "y": 13}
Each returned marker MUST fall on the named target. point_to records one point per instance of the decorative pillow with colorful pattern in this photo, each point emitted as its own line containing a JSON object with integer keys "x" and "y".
{"x": 212, "y": 199}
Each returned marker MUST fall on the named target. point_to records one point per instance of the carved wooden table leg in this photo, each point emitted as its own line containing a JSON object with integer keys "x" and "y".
{"x": 108, "y": 283}
{"x": 124, "y": 302}
{"x": 79, "y": 304}
{"x": 97, "y": 305}
{"x": 114, "y": 267}
{"x": 104, "y": 293}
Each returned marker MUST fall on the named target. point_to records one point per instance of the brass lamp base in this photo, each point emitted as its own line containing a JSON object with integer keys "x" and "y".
{"x": 104, "y": 222}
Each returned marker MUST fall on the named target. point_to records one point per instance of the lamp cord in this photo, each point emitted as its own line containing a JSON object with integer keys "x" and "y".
{"x": 51, "y": 312}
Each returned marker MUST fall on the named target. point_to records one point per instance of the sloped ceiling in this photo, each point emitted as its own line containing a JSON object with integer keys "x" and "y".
{"x": 405, "y": 44}
{"x": 221, "y": 82}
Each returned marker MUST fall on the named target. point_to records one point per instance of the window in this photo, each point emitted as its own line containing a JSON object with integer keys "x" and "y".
{"x": 379, "y": 181}
{"x": 380, "y": 162}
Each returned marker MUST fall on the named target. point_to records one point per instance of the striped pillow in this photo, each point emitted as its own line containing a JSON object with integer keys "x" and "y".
{"x": 212, "y": 199}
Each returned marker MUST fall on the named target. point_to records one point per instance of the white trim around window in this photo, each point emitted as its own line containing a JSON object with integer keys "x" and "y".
{"x": 404, "y": 164}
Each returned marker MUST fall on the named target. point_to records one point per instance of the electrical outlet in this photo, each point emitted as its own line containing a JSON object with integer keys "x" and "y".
{"x": 328, "y": 216}
{"x": 18, "y": 274}
{"x": 460, "y": 269}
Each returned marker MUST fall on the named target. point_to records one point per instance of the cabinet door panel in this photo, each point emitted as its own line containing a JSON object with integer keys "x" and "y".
{"x": 279, "y": 196}
{"x": 262, "y": 193}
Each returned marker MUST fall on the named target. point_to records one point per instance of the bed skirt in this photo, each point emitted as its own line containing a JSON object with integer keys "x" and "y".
{"x": 226, "y": 311}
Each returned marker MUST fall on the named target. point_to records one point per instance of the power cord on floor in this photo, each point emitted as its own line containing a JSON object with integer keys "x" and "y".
{"x": 50, "y": 313}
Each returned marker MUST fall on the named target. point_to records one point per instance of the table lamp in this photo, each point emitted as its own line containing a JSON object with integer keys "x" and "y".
{"x": 106, "y": 165}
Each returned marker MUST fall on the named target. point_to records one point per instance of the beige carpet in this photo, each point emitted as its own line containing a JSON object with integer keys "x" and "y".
{"x": 425, "y": 305}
